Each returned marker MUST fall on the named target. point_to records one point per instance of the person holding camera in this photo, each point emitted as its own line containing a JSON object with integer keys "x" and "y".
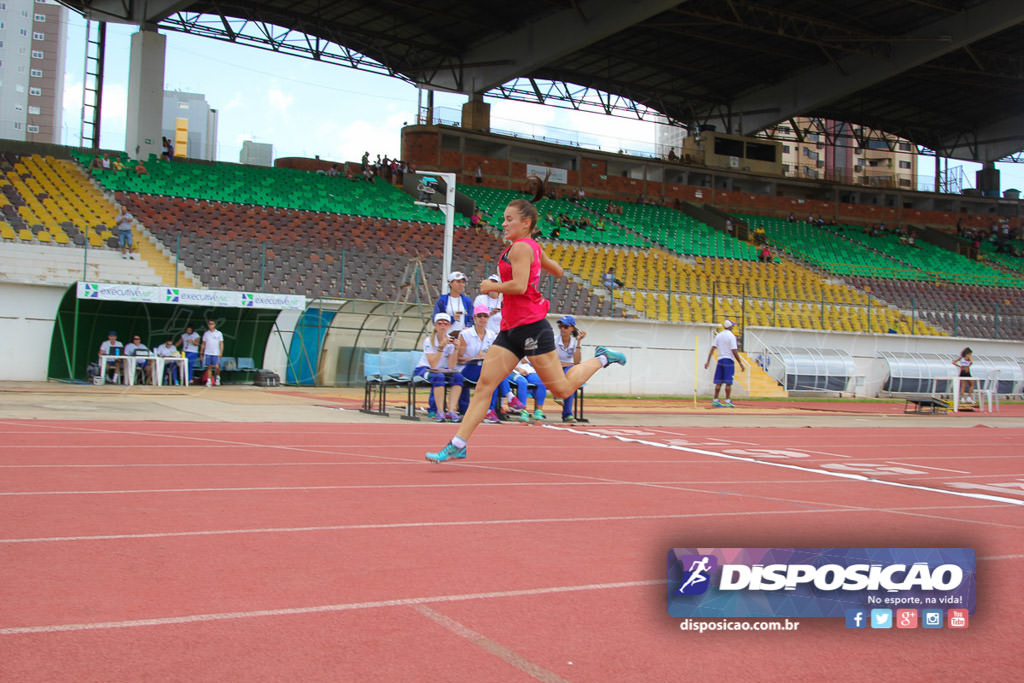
{"x": 437, "y": 365}
{"x": 567, "y": 345}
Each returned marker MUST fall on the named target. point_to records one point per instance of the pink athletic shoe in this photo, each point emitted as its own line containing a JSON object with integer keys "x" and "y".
{"x": 492, "y": 418}
{"x": 515, "y": 404}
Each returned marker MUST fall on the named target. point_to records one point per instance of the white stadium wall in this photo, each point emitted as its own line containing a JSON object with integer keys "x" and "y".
{"x": 27, "y": 314}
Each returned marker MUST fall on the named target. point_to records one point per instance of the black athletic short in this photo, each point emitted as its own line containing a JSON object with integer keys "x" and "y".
{"x": 531, "y": 339}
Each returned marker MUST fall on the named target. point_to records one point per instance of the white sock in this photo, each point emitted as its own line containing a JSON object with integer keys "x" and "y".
{"x": 458, "y": 442}
{"x": 604, "y": 361}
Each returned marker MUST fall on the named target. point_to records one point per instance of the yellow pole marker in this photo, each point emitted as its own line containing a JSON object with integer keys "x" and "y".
{"x": 696, "y": 366}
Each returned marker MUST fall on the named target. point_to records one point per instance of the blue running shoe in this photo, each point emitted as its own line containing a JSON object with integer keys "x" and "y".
{"x": 449, "y": 452}
{"x": 441, "y": 417}
{"x": 454, "y": 417}
{"x": 612, "y": 356}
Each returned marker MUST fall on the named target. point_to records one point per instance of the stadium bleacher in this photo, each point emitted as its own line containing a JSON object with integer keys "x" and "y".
{"x": 293, "y": 231}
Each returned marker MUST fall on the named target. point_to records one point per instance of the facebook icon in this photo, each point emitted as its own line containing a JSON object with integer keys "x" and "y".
{"x": 856, "y": 618}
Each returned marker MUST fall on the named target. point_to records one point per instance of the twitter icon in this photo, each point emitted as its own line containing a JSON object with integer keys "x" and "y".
{"x": 881, "y": 618}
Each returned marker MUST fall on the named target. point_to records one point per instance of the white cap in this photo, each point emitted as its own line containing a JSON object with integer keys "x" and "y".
{"x": 442, "y": 317}
{"x": 494, "y": 278}
{"x": 727, "y": 324}
{"x": 456, "y": 275}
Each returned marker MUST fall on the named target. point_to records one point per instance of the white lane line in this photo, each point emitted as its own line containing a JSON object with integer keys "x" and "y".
{"x": 495, "y": 648}
{"x": 481, "y": 522}
{"x": 350, "y": 606}
{"x": 926, "y": 467}
{"x": 815, "y": 470}
{"x": 318, "y": 609}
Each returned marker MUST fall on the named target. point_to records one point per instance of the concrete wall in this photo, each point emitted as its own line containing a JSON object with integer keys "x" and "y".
{"x": 27, "y": 314}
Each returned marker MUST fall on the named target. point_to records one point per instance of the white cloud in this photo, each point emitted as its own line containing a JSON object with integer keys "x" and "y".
{"x": 279, "y": 100}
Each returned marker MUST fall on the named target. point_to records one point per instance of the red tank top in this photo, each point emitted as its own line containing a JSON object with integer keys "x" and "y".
{"x": 530, "y": 306}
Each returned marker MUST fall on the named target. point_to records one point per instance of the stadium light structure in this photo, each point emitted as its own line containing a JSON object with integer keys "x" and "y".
{"x": 428, "y": 191}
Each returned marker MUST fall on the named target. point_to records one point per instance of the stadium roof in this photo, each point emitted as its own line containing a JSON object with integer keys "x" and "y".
{"x": 946, "y": 74}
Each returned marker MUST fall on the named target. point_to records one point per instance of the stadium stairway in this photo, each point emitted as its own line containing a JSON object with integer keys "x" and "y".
{"x": 758, "y": 383}
{"x": 50, "y": 264}
{"x": 155, "y": 255}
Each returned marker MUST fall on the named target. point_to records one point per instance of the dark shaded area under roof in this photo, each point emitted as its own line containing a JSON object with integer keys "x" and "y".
{"x": 946, "y": 74}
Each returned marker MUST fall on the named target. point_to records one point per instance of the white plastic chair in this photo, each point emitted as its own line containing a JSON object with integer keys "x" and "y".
{"x": 987, "y": 389}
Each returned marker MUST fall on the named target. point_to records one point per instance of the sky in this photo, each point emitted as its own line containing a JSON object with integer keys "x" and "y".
{"x": 307, "y": 108}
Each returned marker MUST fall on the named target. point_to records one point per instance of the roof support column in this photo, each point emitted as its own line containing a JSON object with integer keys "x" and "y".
{"x": 476, "y": 114}
{"x": 145, "y": 95}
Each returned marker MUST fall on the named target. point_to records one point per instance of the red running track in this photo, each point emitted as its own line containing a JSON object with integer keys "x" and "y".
{"x": 178, "y": 551}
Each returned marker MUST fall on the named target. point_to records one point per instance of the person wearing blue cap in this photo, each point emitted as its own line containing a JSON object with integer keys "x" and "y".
{"x": 567, "y": 345}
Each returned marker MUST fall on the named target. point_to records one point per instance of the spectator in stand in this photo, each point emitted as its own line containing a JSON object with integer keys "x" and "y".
{"x": 567, "y": 345}
{"x": 117, "y": 165}
{"x": 791, "y": 218}
{"x": 455, "y": 303}
{"x": 610, "y": 281}
{"x": 189, "y": 343}
{"x": 437, "y": 365}
{"x": 766, "y": 255}
{"x": 112, "y": 347}
{"x": 124, "y": 232}
{"x": 479, "y": 174}
{"x": 136, "y": 348}
{"x": 212, "y": 350}
{"x": 168, "y": 149}
{"x": 140, "y": 168}
{"x": 672, "y": 154}
{"x": 760, "y": 236}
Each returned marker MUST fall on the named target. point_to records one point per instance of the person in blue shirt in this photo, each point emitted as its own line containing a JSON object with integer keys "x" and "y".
{"x": 456, "y": 303}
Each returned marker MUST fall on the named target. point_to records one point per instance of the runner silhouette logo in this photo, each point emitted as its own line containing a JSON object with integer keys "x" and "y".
{"x": 697, "y": 571}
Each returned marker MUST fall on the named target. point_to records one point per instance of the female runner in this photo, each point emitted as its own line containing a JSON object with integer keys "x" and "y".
{"x": 524, "y": 329}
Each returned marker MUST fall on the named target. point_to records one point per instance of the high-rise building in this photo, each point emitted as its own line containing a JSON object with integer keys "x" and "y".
{"x": 256, "y": 153}
{"x": 831, "y": 151}
{"x": 190, "y": 124}
{"x": 32, "y": 50}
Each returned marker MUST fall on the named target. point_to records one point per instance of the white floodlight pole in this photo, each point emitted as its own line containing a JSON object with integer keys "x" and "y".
{"x": 447, "y": 207}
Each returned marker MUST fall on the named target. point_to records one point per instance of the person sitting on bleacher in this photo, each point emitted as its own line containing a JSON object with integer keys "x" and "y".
{"x": 136, "y": 348}
{"x": 567, "y": 345}
{"x": 112, "y": 347}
